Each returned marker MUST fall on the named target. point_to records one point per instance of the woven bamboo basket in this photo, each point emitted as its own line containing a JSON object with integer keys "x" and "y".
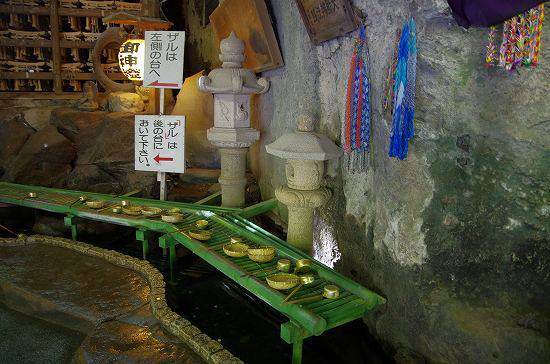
{"x": 261, "y": 254}
{"x": 282, "y": 281}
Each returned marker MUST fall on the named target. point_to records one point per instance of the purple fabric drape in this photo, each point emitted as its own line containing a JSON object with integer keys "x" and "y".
{"x": 484, "y": 13}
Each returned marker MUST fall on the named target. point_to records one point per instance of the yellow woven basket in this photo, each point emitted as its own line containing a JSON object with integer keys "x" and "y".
{"x": 282, "y": 281}
{"x": 262, "y": 254}
{"x": 236, "y": 250}
{"x": 131, "y": 210}
{"x": 95, "y": 204}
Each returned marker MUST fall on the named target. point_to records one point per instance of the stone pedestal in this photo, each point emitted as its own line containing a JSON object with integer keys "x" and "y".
{"x": 233, "y": 144}
{"x": 301, "y": 204}
{"x": 233, "y": 177}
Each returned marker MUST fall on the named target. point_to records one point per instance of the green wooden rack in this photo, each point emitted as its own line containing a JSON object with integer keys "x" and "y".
{"x": 305, "y": 319}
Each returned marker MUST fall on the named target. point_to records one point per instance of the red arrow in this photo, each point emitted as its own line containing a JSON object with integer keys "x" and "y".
{"x": 157, "y": 83}
{"x": 158, "y": 158}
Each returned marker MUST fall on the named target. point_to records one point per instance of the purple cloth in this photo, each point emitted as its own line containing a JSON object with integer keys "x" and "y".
{"x": 484, "y": 13}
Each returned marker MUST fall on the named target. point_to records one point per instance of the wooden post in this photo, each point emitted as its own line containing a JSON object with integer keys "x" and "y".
{"x": 71, "y": 222}
{"x": 56, "y": 50}
{"x": 161, "y": 176}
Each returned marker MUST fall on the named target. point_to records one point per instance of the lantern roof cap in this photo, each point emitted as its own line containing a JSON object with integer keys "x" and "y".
{"x": 304, "y": 143}
{"x": 231, "y": 78}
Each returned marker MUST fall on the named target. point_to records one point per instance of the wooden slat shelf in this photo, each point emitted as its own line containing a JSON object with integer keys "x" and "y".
{"x": 97, "y": 13}
{"x": 45, "y": 10}
{"x": 20, "y": 9}
{"x": 38, "y": 43}
{"x": 26, "y": 75}
{"x": 21, "y": 95}
{"x": 57, "y": 44}
{"x": 305, "y": 319}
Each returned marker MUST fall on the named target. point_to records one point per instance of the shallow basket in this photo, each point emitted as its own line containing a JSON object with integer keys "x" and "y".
{"x": 236, "y": 250}
{"x": 201, "y": 224}
{"x": 151, "y": 211}
{"x": 95, "y": 204}
{"x": 200, "y": 234}
{"x": 131, "y": 210}
{"x": 262, "y": 254}
{"x": 172, "y": 218}
{"x": 282, "y": 281}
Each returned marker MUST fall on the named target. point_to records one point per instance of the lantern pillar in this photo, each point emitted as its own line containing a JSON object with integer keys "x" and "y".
{"x": 232, "y": 86}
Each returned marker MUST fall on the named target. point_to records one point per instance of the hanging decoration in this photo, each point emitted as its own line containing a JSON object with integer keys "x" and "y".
{"x": 520, "y": 40}
{"x": 356, "y": 128}
{"x": 404, "y": 93}
{"x": 390, "y": 72}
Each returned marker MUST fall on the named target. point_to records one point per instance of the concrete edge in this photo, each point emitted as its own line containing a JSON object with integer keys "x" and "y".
{"x": 210, "y": 350}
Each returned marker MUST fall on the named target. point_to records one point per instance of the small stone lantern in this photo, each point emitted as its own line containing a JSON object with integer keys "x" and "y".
{"x": 232, "y": 86}
{"x": 305, "y": 153}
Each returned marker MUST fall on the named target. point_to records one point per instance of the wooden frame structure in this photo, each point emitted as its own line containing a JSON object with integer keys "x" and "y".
{"x": 55, "y": 11}
{"x": 309, "y": 318}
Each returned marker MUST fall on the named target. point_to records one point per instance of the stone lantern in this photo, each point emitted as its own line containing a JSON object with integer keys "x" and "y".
{"x": 305, "y": 153}
{"x": 232, "y": 86}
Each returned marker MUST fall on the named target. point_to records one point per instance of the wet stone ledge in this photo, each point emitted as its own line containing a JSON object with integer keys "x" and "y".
{"x": 201, "y": 344}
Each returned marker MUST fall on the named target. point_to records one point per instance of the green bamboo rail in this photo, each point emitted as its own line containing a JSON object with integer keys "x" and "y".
{"x": 306, "y": 319}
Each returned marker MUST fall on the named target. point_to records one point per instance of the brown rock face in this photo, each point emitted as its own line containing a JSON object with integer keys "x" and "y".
{"x": 13, "y": 136}
{"x": 45, "y": 159}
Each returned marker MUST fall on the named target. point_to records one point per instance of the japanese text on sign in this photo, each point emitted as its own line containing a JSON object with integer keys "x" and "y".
{"x": 159, "y": 143}
{"x": 164, "y": 51}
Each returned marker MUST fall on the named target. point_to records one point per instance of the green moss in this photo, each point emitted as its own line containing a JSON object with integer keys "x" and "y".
{"x": 494, "y": 237}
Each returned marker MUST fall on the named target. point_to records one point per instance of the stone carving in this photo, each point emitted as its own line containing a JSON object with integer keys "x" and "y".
{"x": 88, "y": 102}
{"x": 232, "y": 86}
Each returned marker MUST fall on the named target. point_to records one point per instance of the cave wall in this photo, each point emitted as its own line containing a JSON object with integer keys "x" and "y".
{"x": 456, "y": 237}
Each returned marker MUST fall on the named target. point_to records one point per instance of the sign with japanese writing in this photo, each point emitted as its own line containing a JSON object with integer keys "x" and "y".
{"x": 164, "y": 59}
{"x": 327, "y": 19}
{"x": 159, "y": 143}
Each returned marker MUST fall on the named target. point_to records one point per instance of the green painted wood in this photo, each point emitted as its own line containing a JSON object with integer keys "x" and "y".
{"x": 306, "y": 319}
{"x": 214, "y": 198}
{"x": 259, "y": 208}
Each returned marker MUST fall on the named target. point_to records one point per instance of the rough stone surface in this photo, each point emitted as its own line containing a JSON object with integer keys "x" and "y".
{"x": 13, "y": 135}
{"x": 45, "y": 158}
{"x": 109, "y": 304}
{"x": 126, "y": 102}
{"x": 456, "y": 236}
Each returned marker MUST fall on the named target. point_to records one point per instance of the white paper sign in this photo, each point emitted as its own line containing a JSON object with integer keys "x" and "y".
{"x": 160, "y": 143}
{"x": 164, "y": 59}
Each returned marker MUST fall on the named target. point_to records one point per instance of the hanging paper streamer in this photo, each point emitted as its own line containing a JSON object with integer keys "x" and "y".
{"x": 388, "y": 87}
{"x": 491, "y": 56}
{"x": 356, "y": 129}
{"x": 520, "y": 40}
{"x": 404, "y": 93}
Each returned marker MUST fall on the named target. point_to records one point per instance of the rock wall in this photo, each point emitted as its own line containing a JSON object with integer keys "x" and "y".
{"x": 456, "y": 236}
{"x": 54, "y": 146}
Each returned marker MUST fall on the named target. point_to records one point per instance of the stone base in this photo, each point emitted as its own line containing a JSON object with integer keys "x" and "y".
{"x": 300, "y": 213}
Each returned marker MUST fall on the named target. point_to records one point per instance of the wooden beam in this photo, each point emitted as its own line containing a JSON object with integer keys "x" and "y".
{"x": 17, "y": 9}
{"x": 26, "y": 75}
{"x": 97, "y": 13}
{"x": 34, "y": 43}
{"x": 56, "y": 51}
{"x": 40, "y": 95}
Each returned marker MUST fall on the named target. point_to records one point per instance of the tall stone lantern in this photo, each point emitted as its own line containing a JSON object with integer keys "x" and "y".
{"x": 232, "y": 86}
{"x": 305, "y": 153}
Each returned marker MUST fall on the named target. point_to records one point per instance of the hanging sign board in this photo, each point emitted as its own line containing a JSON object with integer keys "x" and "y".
{"x": 164, "y": 59}
{"x": 327, "y": 19}
{"x": 159, "y": 143}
